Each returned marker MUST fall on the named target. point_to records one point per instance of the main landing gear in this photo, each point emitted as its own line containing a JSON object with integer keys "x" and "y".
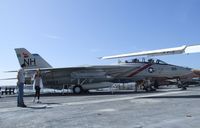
{"x": 77, "y": 89}
{"x": 145, "y": 85}
{"x": 181, "y": 85}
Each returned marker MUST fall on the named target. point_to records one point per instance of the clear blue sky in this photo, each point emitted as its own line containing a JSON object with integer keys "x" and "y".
{"x": 76, "y": 32}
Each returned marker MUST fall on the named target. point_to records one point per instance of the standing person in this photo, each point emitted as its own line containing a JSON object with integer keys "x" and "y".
{"x": 37, "y": 85}
{"x": 20, "y": 84}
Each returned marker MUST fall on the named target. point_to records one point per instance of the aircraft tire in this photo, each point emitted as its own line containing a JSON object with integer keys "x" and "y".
{"x": 184, "y": 88}
{"x": 153, "y": 89}
{"x": 179, "y": 86}
{"x": 77, "y": 89}
{"x": 156, "y": 85}
{"x": 147, "y": 89}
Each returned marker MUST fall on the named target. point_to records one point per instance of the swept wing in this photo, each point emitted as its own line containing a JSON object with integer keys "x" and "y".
{"x": 169, "y": 51}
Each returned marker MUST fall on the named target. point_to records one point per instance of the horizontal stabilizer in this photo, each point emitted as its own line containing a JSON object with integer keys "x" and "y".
{"x": 9, "y": 79}
{"x": 10, "y": 71}
{"x": 168, "y": 51}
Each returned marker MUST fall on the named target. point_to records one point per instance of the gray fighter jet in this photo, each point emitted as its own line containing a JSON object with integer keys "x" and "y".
{"x": 83, "y": 78}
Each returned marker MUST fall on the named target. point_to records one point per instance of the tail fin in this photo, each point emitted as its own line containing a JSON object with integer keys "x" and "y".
{"x": 31, "y": 61}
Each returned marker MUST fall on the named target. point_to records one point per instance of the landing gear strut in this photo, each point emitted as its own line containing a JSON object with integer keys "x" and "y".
{"x": 181, "y": 85}
{"x": 148, "y": 86}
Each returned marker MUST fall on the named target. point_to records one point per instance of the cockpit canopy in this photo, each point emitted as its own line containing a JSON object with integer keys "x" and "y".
{"x": 143, "y": 60}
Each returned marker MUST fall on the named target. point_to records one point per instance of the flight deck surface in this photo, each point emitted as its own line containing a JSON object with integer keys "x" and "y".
{"x": 167, "y": 108}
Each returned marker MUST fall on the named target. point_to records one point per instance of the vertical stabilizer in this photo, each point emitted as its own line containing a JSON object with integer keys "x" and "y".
{"x": 31, "y": 61}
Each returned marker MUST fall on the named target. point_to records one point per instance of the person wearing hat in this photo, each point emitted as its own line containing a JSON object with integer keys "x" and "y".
{"x": 20, "y": 85}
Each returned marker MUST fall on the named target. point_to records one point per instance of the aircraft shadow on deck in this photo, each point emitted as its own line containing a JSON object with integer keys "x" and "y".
{"x": 94, "y": 93}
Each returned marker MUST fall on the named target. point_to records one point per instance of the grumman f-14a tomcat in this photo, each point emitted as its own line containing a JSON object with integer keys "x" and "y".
{"x": 84, "y": 78}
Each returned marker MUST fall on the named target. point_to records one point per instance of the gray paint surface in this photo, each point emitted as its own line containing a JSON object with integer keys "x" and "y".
{"x": 167, "y": 108}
